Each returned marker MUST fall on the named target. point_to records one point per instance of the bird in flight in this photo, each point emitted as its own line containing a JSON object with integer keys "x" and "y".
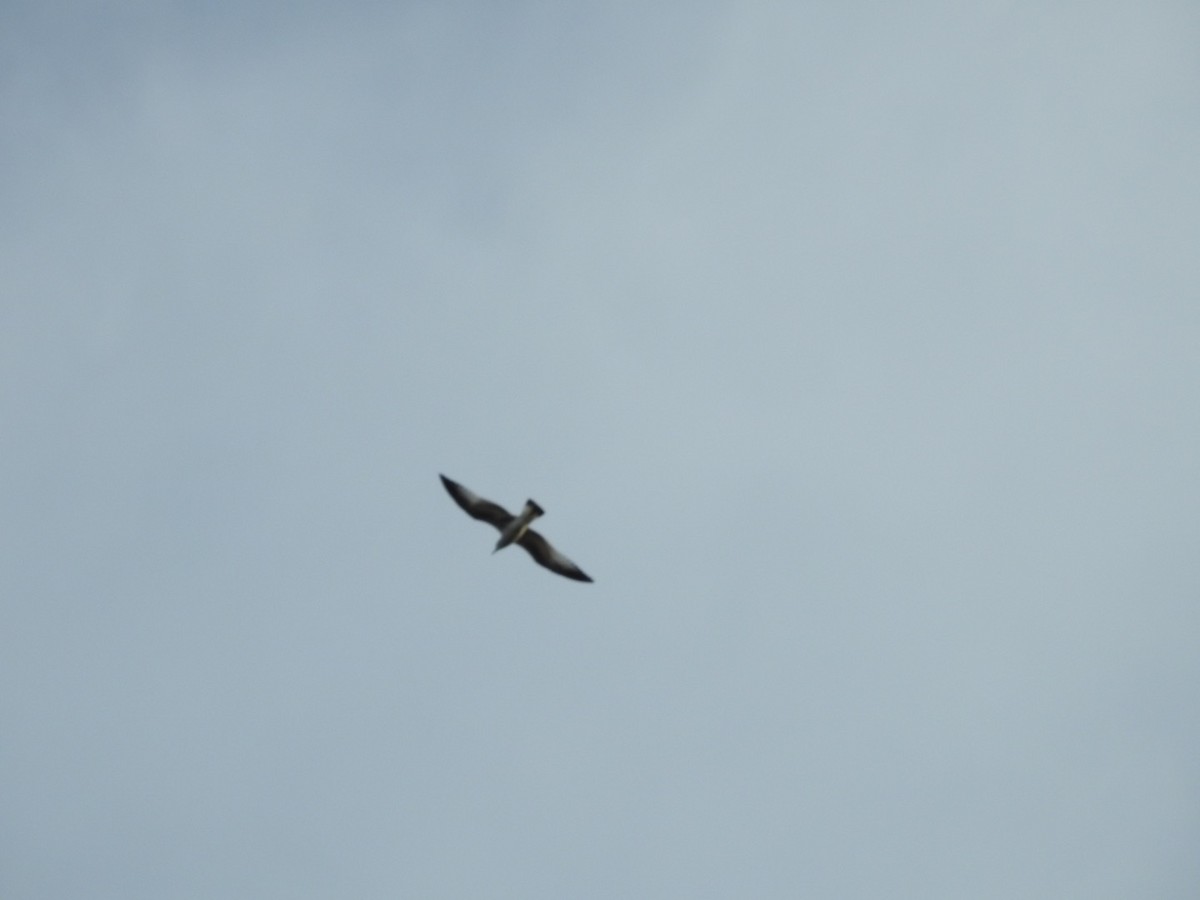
{"x": 514, "y": 529}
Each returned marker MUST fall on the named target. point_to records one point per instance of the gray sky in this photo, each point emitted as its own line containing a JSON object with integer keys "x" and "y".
{"x": 853, "y": 349}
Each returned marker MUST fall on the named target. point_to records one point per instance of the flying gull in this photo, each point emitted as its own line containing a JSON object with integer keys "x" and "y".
{"x": 514, "y": 529}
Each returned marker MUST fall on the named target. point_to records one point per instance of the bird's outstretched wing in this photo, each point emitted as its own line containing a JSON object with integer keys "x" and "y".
{"x": 476, "y": 507}
{"x": 544, "y": 554}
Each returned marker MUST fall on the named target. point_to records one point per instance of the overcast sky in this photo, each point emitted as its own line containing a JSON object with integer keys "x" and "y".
{"x": 852, "y": 348}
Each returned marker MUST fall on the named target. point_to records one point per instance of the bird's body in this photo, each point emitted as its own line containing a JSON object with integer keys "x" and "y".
{"x": 514, "y": 529}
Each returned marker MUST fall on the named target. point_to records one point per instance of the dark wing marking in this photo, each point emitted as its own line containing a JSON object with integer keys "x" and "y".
{"x": 543, "y": 554}
{"x": 476, "y": 507}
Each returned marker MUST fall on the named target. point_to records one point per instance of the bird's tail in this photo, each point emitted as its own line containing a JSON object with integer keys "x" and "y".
{"x": 537, "y": 510}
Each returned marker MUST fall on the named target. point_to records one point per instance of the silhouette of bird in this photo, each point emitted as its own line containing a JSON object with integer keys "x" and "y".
{"x": 514, "y": 529}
